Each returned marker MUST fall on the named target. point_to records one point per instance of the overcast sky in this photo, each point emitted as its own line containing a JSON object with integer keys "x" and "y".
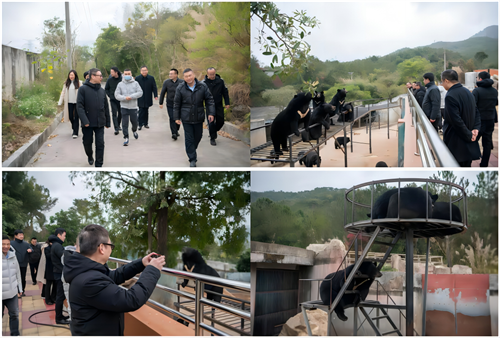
{"x": 354, "y": 30}
{"x": 295, "y": 181}
{"x": 22, "y": 22}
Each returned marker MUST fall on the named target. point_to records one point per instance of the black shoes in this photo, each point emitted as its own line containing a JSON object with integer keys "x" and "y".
{"x": 49, "y": 303}
{"x": 136, "y": 135}
{"x": 146, "y": 126}
{"x": 63, "y": 322}
{"x": 192, "y": 163}
{"x": 212, "y": 142}
{"x": 91, "y": 161}
{"x": 34, "y": 283}
{"x": 174, "y": 137}
{"x": 116, "y": 132}
{"x": 140, "y": 127}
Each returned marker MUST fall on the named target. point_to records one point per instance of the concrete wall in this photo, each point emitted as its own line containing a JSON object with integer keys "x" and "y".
{"x": 17, "y": 69}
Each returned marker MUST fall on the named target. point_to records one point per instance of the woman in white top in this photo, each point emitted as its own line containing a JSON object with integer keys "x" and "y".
{"x": 68, "y": 95}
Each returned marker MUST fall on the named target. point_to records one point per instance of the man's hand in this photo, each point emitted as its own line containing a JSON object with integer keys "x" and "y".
{"x": 19, "y": 294}
{"x": 178, "y": 122}
{"x": 158, "y": 262}
{"x": 227, "y": 106}
{"x": 210, "y": 119}
{"x": 475, "y": 132}
{"x": 156, "y": 98}
{"x": 86, "y": 125}
{"x": 128, "y": 98}
{"x": 161, "y": 106}
{"x": 432, "y": 121}
{"x": 107, "y": 127}
{"x": 30, "y": 251}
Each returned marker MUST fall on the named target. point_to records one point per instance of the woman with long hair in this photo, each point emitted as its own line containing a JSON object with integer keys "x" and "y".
{"x": 69, "y": 95}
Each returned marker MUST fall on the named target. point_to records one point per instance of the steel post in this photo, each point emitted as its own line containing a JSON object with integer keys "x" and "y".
{"x": 388, "y": 103}
{"x": 409, "y": 282}
{"x": 198, "y": 307}
{"x": 292, "y": 164}
{"x": 425, "y": 285}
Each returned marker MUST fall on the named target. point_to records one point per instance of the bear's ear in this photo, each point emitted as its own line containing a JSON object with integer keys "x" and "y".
{"x": 369, "y": 215}
{"x": 434, "y": 198}
{"x": 338, "y": 90}
{"x": 322, "y": 92}
{"x": 295, "y": 96}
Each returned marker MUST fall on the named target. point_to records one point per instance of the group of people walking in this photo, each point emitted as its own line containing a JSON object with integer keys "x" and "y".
{"x": 188, "y": 102}
{"x": 468, "y": 117}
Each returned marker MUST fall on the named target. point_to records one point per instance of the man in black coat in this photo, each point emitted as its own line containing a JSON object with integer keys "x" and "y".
{"x": 188, "y": 107}
{"x": 114, "y": 79}
{"x": 34, "y": 258}
{"x": 148, "y": 85}
{"x": 486, "y": 101}
{"x": 97, "y": 301}
{"x": 219, "y": 90}
{"x": 419, "y": 93}
{"x": 461, "y": 120}
{"x": 431, "y": 104}
{"x": 169, "y": 88}
{"x": 56, "y": 254}
{"x": 22, "y": 254}
{"x": 93, "y": 110}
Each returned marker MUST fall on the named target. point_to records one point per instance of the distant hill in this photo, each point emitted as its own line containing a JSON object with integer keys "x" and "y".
{"x": 468, "y": 48}
{"x": 489, "y": 32}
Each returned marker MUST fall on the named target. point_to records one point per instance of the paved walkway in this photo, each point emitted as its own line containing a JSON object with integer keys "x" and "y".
{"x": 154, "y": 148}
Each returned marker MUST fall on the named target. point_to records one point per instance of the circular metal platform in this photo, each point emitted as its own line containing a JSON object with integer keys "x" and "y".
{"x": 422, "y": 227}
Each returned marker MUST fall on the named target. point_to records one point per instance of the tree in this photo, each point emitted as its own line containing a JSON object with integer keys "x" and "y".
{"x": 467, "y": 66}
{"x": 243, "y": 264}
{"x": 413, "y": 68}
{"x": 286, "y": 38}
{"x": 107, "y": 48}
{"x": 70, "y": 221}
{"x": 172, "y": 209}
{"x": 480, "y": 56}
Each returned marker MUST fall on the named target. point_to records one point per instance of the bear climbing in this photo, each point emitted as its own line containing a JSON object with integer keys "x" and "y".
{"x": 339, "y": 142}
{"x": 441, "y": 210}
{"x": 329, "y": 290}
{"x": 194, "y": 262}
{"x": 320, "y": 115}
{"x": 409, "y": 198}
{"x": 287, "y": 122}
{"x": 338, "y": 101}
{"x": 346, "y": 113}
{"x": 318, "y": 98}
{"x": 311, "y": 159}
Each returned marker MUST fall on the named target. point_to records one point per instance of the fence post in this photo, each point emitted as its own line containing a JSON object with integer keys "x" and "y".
{"x": 198, "y": 307}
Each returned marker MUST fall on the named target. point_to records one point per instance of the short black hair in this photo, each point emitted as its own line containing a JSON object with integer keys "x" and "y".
{"x": 144, "y": 67}
{"x": 59, "y": 231}
{"x": 32, "y": 238}
{"x": 5, "y": 237}
{"x": 484, "y": 75}
{"x": 175, "y": 70}
{"x": 187, "y": 70}
{"x": 85, "y": 74}
{"x": 210, "y": 68}
{"x": 127, "y": 70}
{"x": 116, "y": 70}
{"x": 429, "y": 76}
{"x": 91, "y": 237}
{"x": 418, "y": 83}
{"x": 93, "y": 71}
{"x": 449, "y": 75}
{"x": 18, "y": 231}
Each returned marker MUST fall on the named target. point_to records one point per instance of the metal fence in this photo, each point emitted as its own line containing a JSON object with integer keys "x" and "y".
{"x": 242, "y": 312}
{"x": 431, "y": 149}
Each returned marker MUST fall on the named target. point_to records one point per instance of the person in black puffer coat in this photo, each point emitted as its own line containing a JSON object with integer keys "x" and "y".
{"x": 50, "y": 286}
{"x": 188, "y": 108}
{"x": 486, "y": 101}
{"x": 93, "y": 110}
{"x": 431, "y": 104}
{"x": 218, "y": 89}
{"x": 169, "y": 87}
{"x": 56, "y": 253}
{"x": 34, "y": 258}
{"x": 114, "y": 79}
{"x": 98, "y": 303}
{"x": 419, "y": 93}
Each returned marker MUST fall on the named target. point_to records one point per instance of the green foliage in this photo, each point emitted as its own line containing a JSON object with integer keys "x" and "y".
{"x": 413, "y": 68}
{"x": 34, "y": 100}
{"x": 243, "y": 264}
{"x": 480, "y": 56}
{"x": 107, "y": 48}
{"x": 259, "y": 82}
{"x": 467, "y": 66}
{"x": 279, "y": 97}
{"x": 354, "y": 92}
{"x": 54, "y": 36}
{"x": 70, "y": 221}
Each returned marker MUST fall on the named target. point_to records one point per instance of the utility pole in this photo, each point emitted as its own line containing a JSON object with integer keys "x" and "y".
{"x": 444, "y": 59}
{"x": 68, "y": 37}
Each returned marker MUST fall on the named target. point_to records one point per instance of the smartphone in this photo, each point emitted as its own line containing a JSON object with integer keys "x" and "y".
{"x": 155, "y": 256}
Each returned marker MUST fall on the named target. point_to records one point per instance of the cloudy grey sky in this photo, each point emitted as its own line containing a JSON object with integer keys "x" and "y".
{"x": 356, "y": 30}
{"x": 294, "y": 180}
{"x": 22, "y": 22}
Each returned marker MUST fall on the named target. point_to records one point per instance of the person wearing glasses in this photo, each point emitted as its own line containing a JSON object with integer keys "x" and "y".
{"x": 93, "y": 110}
{"x": 98, "y": 303}
{"x": 57, "y": 267}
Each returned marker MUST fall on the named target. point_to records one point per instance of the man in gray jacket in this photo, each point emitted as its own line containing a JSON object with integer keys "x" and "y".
{"x": 127, "y": 92}
{"x": 431, "y": 105}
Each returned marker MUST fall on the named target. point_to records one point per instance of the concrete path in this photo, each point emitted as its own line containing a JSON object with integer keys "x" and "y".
{"x": 154, "y": 148}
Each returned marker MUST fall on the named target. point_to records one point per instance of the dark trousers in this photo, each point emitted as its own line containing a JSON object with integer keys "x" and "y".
{"x": 59, "y": 297}
{"x": 126, "y": 115}
{"x": 192, "y": 135}
{"x": 34, "y": 271}
{"x": 143, "y": 116}
{"x": 486, "y": 133}
{"x": 441, "y": 119}
{"x": 465, "y": 164}
{"x": 435, "y": 124}
{"x": 174, "y": 127}
{"x": 50, "y": 291}
{"x": 88, "y": 139}
{"x": 116, "y": 112}
{"x": 218, "y": 121}
{"x": 73, "y": 117}
{"x": 23, "y": 276}
{"x": 12, "y": 305}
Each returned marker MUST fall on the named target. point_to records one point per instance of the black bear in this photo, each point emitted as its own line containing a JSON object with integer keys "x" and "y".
{"x": 329, "y": 290}
{"x": 193, "y": 262}
{"x": 287, "y": 122}
{"x": 339, "y": 142}
{"x": 441, "y": 210}
{"x": 346, "y": 113}
{"x": 320, "y": 115}
{"x": 318, "y": 98}
{"x": 409, "y": 196}
{"x": 338, "y": 101}
{"x": 310, "y": 159}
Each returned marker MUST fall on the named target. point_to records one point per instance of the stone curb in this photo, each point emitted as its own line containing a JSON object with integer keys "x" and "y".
{"x": 242, "y": 135}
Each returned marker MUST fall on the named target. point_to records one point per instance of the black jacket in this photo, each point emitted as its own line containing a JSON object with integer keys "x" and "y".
{"x": 486, "y": 99}
{"x": 419, "y": 95}
{"x": 49, "y": 268}
{"x": 97, "y": 302}
{"x": 111, "y": 85}
{"x": 34, "y": 256}
{"x": 148, "y": 85}
{"x": 460, "y": 118}
{"x": 188, "y": 105}
{"x": 92, "y": 105}
{"x": 218, "y": 89}
{"x": 169, "y": 88}
{"x": 22, "y": 254}
{"x": 431, "y": 104}
{"x": 56, "y": 253}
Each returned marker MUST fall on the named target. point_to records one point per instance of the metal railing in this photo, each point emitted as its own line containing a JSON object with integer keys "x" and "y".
{"x": 431, "y": 149}
{"x": 200, "y": 301}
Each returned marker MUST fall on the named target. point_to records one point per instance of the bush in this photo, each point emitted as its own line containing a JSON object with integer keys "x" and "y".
{"x": 243, "y": 264}
{"x": 36, "y": 105}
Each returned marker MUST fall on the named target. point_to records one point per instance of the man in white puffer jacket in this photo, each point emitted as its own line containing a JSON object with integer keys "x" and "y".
{"x": 11, "y": 285}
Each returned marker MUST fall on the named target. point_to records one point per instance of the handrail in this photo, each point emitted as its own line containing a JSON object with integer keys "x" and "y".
{"x": 199, "y": 300}
{"x": 430, "y": 146}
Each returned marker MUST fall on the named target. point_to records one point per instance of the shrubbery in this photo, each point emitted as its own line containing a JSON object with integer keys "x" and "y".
{"x": 34, "y": 100}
